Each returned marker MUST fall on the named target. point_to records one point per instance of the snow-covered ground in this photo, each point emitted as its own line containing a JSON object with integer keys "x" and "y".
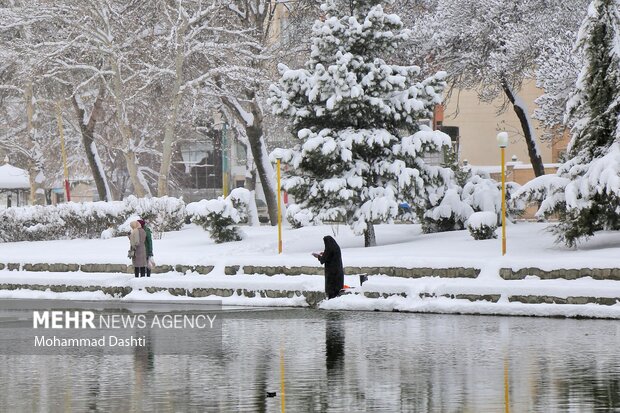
{"x": 529, "y": 245}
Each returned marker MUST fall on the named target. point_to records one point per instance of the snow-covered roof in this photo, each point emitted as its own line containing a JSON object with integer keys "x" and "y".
{"x": 13, "y": 178}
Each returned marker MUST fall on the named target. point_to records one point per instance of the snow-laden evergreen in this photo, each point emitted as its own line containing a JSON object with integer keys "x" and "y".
{"x": 482, "y": 225}
{"x": 469, "y": 194}
{"x": 361, "y": 146}
{"x": 585, "y": 193}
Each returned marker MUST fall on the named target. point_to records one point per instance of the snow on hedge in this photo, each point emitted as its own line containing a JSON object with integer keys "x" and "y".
{"x": 73, "y": 220}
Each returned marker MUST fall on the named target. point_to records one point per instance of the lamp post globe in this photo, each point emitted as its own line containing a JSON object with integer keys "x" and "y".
{"x": 502, "y": 139}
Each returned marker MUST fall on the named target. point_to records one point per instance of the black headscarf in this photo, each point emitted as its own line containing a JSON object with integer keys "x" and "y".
{"x": 330, "y": 244}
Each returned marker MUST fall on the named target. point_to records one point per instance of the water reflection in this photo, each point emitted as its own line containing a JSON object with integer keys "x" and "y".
{"x": 334, "y": 361}
{"x": 341, "y": 362}
{"x": 334, "y": 344}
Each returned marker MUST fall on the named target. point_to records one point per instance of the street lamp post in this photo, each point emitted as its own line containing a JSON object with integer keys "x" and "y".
{"x": 502, "y": 141}
{"x": 224, "y": 149}
{"x": 279, "y": 206}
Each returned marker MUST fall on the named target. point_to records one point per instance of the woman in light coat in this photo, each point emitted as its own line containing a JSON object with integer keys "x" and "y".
{"x": 137, "y": 239}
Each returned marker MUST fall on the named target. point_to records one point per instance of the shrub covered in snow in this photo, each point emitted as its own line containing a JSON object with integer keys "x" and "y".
{"x": 87, "y": 219}
{"x": 450, "y": 213}
{"x": 90, "y": 219}
{"x": 162, "y": 214}
{"x": 482, "y": 225}
{"x": 470, "y": 191}
{"x": 63, "y": 221}
{"x": 220, "y": 216}
{"x": 244, "y": 202}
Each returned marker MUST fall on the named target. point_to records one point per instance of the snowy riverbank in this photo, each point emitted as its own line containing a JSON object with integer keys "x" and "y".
{"x": 530, "y": 247}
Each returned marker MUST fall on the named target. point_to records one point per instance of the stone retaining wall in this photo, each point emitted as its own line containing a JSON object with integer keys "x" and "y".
{"x": 117, "y": 292}
{"x": 567, "y": 274}
{"x": 545, "y": 299}
{"x": 312, "y": 298}
{"x": 494, "y": 298}
{"x": 453, "y": 272}
{"x": 103, "y": 268}
{"x": 403, "y": 272}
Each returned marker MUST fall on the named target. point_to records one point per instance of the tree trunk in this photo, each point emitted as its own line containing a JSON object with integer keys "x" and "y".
{"x": 33, "y": 171}
{"x": 88, "y": 140}
{"x": 257, "y": 145}
{"x": 258, "y": 20}
{"x": 526, "y": 126}
{"x": 254, "y": 131}
{"x": 123, "y": 127}
{"x": 132, "y": 168}
{"x": 166, "y": 157}
{"x": 250, "y": 180}
{"x": 32, "y": 167}
{"x": 369, "y": 235}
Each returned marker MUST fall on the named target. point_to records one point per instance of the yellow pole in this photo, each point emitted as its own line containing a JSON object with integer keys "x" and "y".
{"x": 62, "y": 149}
{"x": 282, "y": 398}
{"x": 279, "y": 209}
{"x": 503, "y": 201}
{"x": 506, "y": 387}
{"x": 224, "y": 147}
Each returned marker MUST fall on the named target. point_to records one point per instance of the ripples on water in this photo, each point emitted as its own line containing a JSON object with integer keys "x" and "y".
{"x": 342, "y": 362}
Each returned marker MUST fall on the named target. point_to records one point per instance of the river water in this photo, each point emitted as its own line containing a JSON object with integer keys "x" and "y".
{"x": 341, "y": 362}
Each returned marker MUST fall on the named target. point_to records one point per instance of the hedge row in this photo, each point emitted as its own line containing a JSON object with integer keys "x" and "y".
{"x": 89, "y": 219}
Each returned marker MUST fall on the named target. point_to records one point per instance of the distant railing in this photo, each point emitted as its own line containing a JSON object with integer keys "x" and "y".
{"x": 195, "y": 195}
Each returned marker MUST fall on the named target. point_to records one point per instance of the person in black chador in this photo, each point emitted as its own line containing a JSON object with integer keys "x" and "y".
{"x": 334, "y": 273}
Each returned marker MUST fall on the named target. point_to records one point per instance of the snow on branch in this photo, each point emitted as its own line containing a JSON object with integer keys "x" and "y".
{"x": 546, "y": 190}
{"x": 602, "y": 177}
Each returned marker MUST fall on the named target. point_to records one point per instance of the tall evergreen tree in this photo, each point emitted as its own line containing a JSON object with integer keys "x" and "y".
{"x": 585, "y": 193}
{"x": 593, "y": 193}
{"x": 361, "y": 146}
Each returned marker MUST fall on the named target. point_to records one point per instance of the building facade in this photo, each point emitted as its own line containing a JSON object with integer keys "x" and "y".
{"x": 474, "y": 126}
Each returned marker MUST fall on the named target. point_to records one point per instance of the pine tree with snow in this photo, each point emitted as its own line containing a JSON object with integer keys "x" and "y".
{"x": 593, "y": 194}
{"x": 585, "y": 193}
{"x": 361, "y": 146}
